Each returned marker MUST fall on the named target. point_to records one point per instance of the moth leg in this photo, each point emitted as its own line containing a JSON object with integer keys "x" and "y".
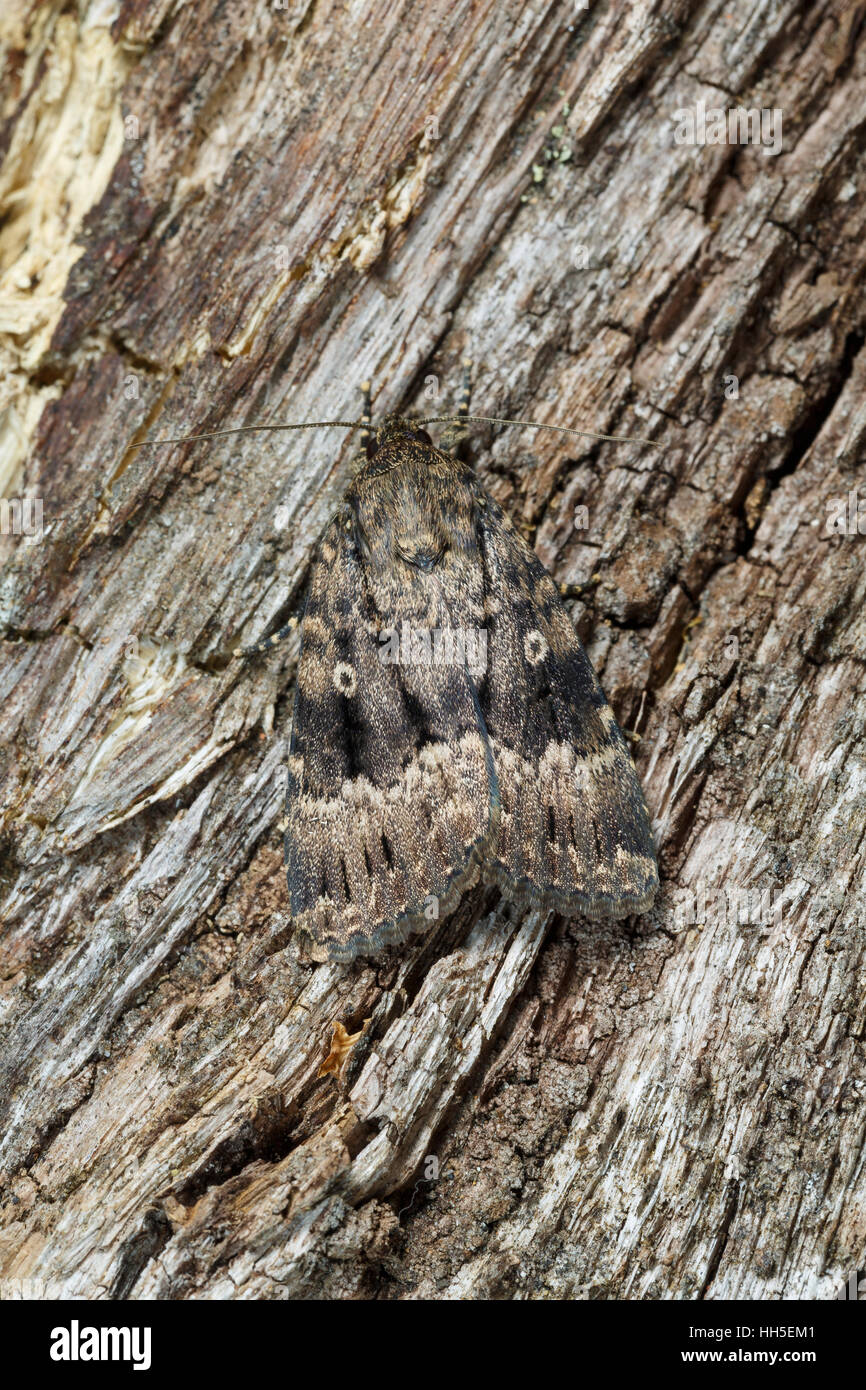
{"x": 632, "y": 734}
{"x": 567, "y": 591}
{"x": 366, "y": 415}
{"x": 266, "y": 643}
{"x": 454, "y": 433}
{"x": 465, "y": 389}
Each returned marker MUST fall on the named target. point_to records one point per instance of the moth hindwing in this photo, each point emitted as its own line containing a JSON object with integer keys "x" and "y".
{"x": 447, "y": 721}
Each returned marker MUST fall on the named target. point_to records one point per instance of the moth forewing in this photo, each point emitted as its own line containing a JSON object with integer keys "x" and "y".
{"x": 392, "y": 799}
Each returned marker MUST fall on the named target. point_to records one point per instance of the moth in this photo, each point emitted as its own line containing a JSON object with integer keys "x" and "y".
{"x": 447, "y": 722}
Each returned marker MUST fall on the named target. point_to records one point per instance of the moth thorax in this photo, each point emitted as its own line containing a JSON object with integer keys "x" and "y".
{"x": 421, "y": 548}
{"x": 394, "y": 430}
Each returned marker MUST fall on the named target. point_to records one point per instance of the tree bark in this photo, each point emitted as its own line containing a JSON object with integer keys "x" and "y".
{"x": 218, "y": 215}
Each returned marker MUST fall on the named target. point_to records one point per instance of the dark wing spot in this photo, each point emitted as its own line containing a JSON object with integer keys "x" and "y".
{"x": 417, "y": 717}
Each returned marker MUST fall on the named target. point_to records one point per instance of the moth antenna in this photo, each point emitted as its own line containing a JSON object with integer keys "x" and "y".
{"x": 427, "y": 420}
{"x": 534, "y": 425}
{"x": 252, "y": 429}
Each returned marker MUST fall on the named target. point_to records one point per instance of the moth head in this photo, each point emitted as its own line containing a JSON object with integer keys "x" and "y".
{"x": 395, "y": 429}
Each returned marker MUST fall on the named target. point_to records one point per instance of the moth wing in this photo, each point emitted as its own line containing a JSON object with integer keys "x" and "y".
{"x": 574, "y": 829}
{"x": 392, "y": 792}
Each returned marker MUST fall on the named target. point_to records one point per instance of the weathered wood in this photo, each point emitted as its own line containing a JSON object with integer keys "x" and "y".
{"x": 221, "y": 215}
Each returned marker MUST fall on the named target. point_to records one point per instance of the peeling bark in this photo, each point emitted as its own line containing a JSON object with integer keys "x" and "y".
{"x": 218, "y": 216}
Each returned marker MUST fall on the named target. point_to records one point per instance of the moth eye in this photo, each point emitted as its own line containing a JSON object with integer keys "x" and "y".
{"x": 419, "y": 435}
